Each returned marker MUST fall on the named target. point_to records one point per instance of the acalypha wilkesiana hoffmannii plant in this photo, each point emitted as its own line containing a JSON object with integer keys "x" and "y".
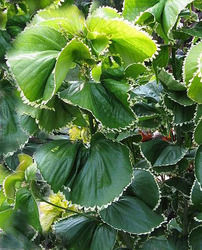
{"x": 101, "y": 125}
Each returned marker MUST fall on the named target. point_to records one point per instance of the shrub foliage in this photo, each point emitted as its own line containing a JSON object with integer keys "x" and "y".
{"x": 101, "y": 125}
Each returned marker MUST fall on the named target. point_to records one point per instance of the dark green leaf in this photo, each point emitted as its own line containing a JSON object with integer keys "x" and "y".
{"x": 105, "y": 100}
{"x": 162, "y": 153}
{"x": 132, "y": 215}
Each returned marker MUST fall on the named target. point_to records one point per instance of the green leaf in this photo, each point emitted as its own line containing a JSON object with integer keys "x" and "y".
{"x": 198, "y": 162}
{"x": 162, "y": 153}
{"x": 162, "y": 58}
{"x": 198, "y": 4}
{"x": 196, "y": 195}
{"x": 32, "y": 61}
{"x": 9, "y": 184}
{"x": 106, "y": 12}
{"x": 73, "y": 52}
{"x": 68, "y": 20}
{"x": 195, "y": 240}
{"x": 102, "y": 170}
{"x": 196, "y": 30}
{"x": 134, "y": 70}
{"x": 129, "y": 42}
{"x": 132, "y": 8}
{"x": 182, "y": 114}
{"x": 179, "y": 184}
{"x": 104, "y": 175}
{"x": 57, "y": 114}
{"x": 164, "y": 12}
{"x": 169, "y": 82}
{"x": 27, "y": 204}
{"x": 160, "y": 242}
{"x": 4, "y": 43}
{"x": 28, "y": 124}
{"x": 132, "y": 215}
{"x": 104, "y": 238}
{"x": 104, "y": 100}
{"x": 144, "y": 183}
{"x": 198, "y": 114}
{"x": 195, "y": 89}
{"x": 180, "y": 97}
{"x": 24, "y": 162}
{"x": 150, "y": 91}
{"x": 5, "y": 218}
{"x": 55, "y": 161}
{"x": 79, "y": 232}
{"x": 12, "y": 136}
{"x": 198, "y": 133}
{"x": 191, "y": 63}
{"x": 3, "y": 173}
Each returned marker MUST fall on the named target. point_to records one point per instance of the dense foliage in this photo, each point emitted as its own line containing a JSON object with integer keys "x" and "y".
{"x": 101, "y": 125}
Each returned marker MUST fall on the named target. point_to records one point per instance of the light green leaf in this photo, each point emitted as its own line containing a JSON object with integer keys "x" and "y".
{"x": 79, "y": 232}
{"x": 104, "y": 100}
{"x": 27, "y": 204}
{"x": 144, "y": 183}
{"x": 18, "y": 176}
{"x": 191, "y": 63}
{"x": 32, "y": 61}
{"x": 162, "y": 153}
{"x": 10, "y": 182}
{"x": 198, "y": 4}
{"x": 195, "y": 240}
{"x": 3, "y": 173}
{"x": 133, "y": 8}
{"x": 104, "y": 175}
{"x": 132, "y": 215}
{"x": 134, "y": 70}
{"x": 195, "y": 89}
{"x": 198, "y": 162}
{"x": 106, "y": 12}
{"x": 5, "y": 218}
{"x": 12, "y": 136}
{"x": 128, "y": 41}
{"x": 96, "y": 73}
{"x": 25, "y": 161}
{"x": 68, "y": 20}
{"x": 73, "y": 52}
{"x": 163, "y": 11}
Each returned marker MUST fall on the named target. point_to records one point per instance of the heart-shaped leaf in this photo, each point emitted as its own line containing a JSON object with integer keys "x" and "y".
{"x": 132, "y": 215}
{"x": 32, "y": 61}
{"x": 12, "y": 136}
{"x": 85, "y": 233}
{"x": 162, "y": 153}
{"x": 104, "y": 100}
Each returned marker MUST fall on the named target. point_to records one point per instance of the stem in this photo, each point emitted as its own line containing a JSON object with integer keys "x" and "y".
{"x": 68, "y": 210}
{"x": 185, "y": 219}
{"x": 91, "y": 124}
{"x": 174, "y": 62}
